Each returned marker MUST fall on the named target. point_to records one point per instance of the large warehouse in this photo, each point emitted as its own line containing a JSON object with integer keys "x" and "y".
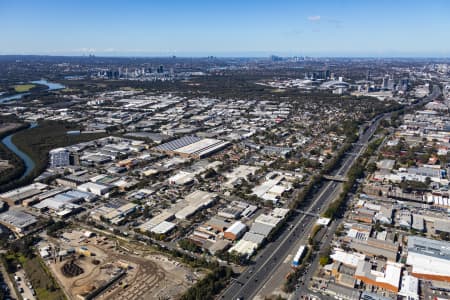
{"x": 18, "y": 221}
{"x": 192, "y": 146}
{"x": 430, "y": 259}
{"x": 194, "y": 202}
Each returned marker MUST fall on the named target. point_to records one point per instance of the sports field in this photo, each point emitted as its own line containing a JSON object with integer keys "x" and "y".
{"x": 21, "y": 88}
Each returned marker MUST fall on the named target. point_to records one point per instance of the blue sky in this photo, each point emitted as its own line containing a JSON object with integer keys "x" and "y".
{"x": 226, "y": 28}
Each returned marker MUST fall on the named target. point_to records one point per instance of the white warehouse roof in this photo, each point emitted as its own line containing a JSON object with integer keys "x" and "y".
{"x": 237, "y": 228}
{"x": 244, "y": 247}
{"x": 163, "y": 227}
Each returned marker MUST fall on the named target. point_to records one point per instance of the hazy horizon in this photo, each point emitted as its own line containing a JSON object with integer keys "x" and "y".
{"x": 325, "y": 28}
{"x": 253, "y": 54}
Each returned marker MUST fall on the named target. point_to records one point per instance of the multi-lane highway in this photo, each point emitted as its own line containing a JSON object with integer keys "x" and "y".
{"x": 253, "y": 279}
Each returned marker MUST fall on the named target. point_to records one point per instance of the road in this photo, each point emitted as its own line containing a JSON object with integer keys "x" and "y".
{"x": 253, "y": 279}
{"x": 274, "y": 254}
{"x": 299, "y": 293}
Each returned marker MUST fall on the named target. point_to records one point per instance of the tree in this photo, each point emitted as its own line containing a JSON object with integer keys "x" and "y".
{"x": 445, "y": 236}
{"x": 53, "y": 227}
{"x": 24, "y": 245}
{"x": 372, "y": 167}
{"x": 188, "y": 245}
{"x": 325, "y": 260}
{"x": 210, "y": 285}
{"x": 314, "y": 152}
{"x": 268, "y": 203}
{"x": 147, "y": 212}
{"x": 210, "y": 173}
{"x": 378, "y": 227}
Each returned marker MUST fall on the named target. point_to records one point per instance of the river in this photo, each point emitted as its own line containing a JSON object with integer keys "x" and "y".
{"x": 51, "y": 86}
{"x": 7, "y": 141}
{"x": 29, "y": 163}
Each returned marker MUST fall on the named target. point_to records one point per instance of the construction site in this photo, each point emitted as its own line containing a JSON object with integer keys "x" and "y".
{"x": 91, "y": 266}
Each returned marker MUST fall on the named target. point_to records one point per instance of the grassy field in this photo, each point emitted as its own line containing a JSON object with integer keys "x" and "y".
{"x": 42, "y": 280}
{"x": 21, "y": 88}
{"x": 39, "y": 276}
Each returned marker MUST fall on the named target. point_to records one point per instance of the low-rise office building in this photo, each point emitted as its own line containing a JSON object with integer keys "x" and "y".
{"x": 387, "y": 278}
{"x": 59, "y": 157}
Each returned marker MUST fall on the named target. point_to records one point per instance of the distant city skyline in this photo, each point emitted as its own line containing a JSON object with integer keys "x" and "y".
{"x": 226, "y": 28}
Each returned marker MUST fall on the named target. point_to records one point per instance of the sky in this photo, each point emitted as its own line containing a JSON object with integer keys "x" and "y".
{"x": 376, "y": 28}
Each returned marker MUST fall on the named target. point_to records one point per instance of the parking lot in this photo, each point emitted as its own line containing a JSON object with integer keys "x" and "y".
{"x": 23, "y": 285}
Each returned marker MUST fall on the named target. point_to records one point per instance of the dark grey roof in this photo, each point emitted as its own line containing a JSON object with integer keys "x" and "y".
{"x": 178, "y": 143}
{"x": 262, "y": 229}
{"x": 429, "y": 247}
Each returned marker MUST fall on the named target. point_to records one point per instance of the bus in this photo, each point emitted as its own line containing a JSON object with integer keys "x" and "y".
{"x": 298, "y": 256}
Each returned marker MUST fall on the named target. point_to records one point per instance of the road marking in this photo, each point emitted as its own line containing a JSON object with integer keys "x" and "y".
{"x": 269, "y": 258}
{"x": 288, "y": 258}
{"x": 349, "y": 161}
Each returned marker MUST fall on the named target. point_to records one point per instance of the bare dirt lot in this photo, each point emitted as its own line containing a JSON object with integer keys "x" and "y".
{"x": 94, "y": 262}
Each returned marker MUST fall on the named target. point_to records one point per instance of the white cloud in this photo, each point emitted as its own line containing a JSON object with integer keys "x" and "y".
{"x": 314, "y": 18}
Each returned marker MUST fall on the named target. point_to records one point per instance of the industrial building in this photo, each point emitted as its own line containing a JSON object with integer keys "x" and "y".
{"x": 260, "y": 229}
{"x": 254, "y": 238}
{"x": 114, "y": 215}
{"x": 163, "y": 228}
{"x": 192, "y": 147}
{"x": 244, "y": 248}
{"x": 117, "y": 215}
{"x": 409, "y": 287}
{"x": 165, "y": 216}
{"x": 217, "y": 223}
{"x": 194, "y": 202}
{"x": 347, "y": 259}
{"x": 387, "y": 278}
{"x": 63, "y": 203}
{"x": 239, "y": 173}
{"x": 235, "y": 231}
{"x": 375, "y": 247}
{"x": 441, "y": 226}
{"x": 95, "y": 188}
{"x": 17, "y": 221}
{"x": 430, "y": 259}
{"x": 182, "y": 178}
{"x": 16, "y": 196}
{"x": 236, "y": 210}
{"x": 272, "y": 188}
